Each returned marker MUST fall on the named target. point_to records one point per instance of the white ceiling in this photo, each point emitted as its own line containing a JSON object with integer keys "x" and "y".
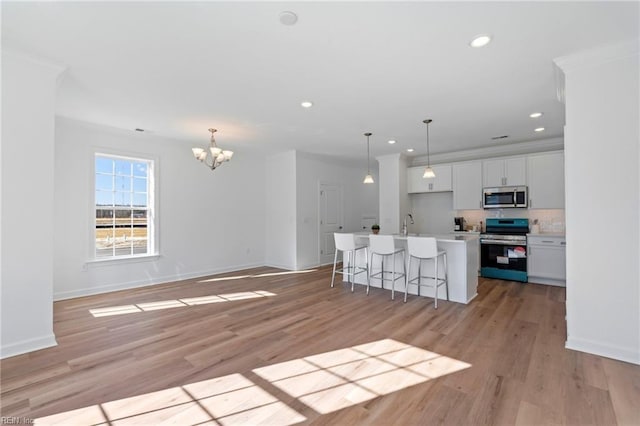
{"x": 178, "y": 68}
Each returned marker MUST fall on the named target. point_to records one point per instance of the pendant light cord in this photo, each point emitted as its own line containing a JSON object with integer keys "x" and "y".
{"x": 427, "y": 121}
{"x": 368, "y": 158}
{"x": 428, "y": 151}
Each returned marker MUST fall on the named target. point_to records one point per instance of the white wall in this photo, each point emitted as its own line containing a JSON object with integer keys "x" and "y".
{"x": 28, "y": 102}
{"x": 389, "y": 192}
{"x": 209, "y": 221}
{"x": 602, "y": 201}
{"x": 280, "y": 211}
{"x": 404, "y": 197}
{"x": 359, "y": 200}
{"x": 433, "y": 213}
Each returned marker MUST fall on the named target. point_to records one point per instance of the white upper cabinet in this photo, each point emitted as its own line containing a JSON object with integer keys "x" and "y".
{"x": 467, "y": 185}
{"x": 440, "y": 183}
{"x": 505, "y": 172}
{"x": 546, "y": 180}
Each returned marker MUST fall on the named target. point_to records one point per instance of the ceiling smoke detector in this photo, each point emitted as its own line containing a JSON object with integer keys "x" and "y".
{"x": 288, "y": 18}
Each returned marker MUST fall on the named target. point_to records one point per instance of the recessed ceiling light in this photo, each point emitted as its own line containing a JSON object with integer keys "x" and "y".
{"x": 288, "y": 18}
{"x": 391, "y": 142}
{"x": 409, "y": 149}
{"x": 306, "y": 104}
{"x": 539, "y": 129}
{"x": 481, "y": 40}
{"x": 535, "y": 114}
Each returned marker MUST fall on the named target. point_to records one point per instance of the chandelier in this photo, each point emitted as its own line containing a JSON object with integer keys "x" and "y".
{"x": 218, "y": 156}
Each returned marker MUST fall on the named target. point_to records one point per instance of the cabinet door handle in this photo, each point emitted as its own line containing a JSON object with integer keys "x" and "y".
{"x": 564, "y": 243}
{"x": 530, "y": 202}
{"x": 547, "y": 241}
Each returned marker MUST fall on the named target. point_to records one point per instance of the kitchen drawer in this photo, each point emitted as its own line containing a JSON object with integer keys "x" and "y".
{"x": 543, "y": 240}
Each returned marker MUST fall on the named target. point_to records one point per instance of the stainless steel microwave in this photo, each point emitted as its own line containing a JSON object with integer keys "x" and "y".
{"x": 504, "y": 197}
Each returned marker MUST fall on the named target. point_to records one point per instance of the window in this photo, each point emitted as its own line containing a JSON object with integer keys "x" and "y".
{"x": 123, "y": 207}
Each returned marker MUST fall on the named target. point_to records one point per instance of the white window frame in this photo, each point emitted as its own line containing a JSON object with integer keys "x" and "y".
{"x": 152, "y": 228}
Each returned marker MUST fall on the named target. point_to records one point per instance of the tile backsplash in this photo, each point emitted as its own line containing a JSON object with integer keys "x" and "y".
{"x": 551, "y": 220}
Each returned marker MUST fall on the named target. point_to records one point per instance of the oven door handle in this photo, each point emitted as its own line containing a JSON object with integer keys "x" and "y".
{"x": 504, "y": 242}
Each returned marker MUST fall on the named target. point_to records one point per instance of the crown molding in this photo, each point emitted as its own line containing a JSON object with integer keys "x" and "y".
{"x": 18, "y": 55}
{"x": 598, "y": 56}
{"x": 531, "y": 147}
{"x": 394, "y": 156}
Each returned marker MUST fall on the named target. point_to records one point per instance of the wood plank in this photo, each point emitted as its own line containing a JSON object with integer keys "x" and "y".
{"x": 623, "y": 381}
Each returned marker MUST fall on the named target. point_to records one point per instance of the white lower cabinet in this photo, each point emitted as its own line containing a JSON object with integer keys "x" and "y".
{"x": 546, "y": 262}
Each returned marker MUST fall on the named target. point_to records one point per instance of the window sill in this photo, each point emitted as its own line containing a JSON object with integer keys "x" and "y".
{"x": 121, "y": 260}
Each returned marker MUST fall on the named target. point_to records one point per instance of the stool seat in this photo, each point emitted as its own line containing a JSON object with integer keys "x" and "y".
{"x": 426, "y": 248}
{"x": 346, "y": 243}
{"x": 384, "y": 246}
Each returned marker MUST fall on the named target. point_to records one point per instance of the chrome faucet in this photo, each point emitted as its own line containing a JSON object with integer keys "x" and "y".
{"x": 405, "y": 229}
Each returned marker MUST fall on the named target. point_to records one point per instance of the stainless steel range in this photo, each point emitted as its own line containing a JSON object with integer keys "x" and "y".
{"x": 503, "y": 249}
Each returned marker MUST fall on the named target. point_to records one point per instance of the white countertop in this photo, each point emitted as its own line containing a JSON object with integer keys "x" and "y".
{"x": 453, "y": 238}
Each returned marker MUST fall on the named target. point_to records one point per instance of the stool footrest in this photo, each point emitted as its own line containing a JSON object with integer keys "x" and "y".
{"x": 380, "y": 275}
{"x": 416, "y": 280}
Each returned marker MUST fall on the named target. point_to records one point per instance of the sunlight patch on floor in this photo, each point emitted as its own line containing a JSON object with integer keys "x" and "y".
{"x": 227, "y": 400}
{"x": 266, "y": 274}
{"x": 178, "y": 303}
{"x": 325, "y": 383}
{"x": 338, "y": 379}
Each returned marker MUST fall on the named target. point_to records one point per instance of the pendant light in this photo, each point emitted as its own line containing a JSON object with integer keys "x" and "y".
{"x": 428, "y": 171}
{"x": 368, "y": 178}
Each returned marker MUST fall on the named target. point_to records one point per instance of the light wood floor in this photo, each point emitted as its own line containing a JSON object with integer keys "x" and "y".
{"x": 262, "y": 346}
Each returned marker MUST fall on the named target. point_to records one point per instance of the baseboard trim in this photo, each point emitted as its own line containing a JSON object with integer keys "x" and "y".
{"x": 620, "y": 353}
{"x": 63, "y": 295}
{"x": 28, "y": 345}
{"x": 279, "y": 266}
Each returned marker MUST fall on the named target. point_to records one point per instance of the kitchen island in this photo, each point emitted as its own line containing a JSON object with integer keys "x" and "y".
{"x": 462, "y": 262}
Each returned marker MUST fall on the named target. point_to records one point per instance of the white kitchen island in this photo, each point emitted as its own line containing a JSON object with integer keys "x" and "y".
{"x": 462, "y": 265}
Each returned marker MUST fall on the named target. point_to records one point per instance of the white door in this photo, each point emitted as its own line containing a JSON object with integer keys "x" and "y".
{"x": 330, "y": 220}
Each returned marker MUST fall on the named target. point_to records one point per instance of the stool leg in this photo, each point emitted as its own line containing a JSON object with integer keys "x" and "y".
{"x": 446, "y": 276}
{"x": 335, "y": 260}
{"x": 369, "y": 272}
{"x": 404, "y": 267}
{"x": 406, "y": 280}
{"x": 353, "y": 269}
{"x": 419, "y": 275}
{"x": 435, "y": 281}
{"x": 393, "y": 278}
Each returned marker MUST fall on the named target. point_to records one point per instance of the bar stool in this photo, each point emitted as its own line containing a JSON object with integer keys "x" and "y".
{"x": 346, "y": 243}
{"x": 424, "y": 248}
{"x": 384, "y": 246}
